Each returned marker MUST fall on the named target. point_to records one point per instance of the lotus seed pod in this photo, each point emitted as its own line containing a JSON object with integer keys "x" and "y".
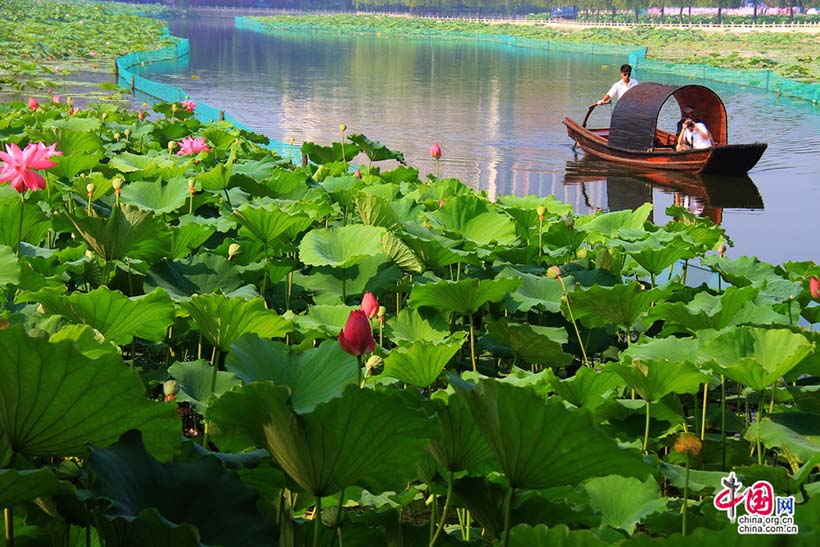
{"x": 581, "y": 253}
{"x": 687, "y": 443}
{"x": 127, "y": 133}
{"x": 174, "y": 108}
{"x": 342, "y": 127}
{"x": 170, "y": 387}
{"x": 541, "y": 210}
{"x": 89, "y": 188}
{"x": 172, "y": 145}
{"x": 553, "y": 272}
{"x": 117, "y": 136}
{"x": 372, "y": 363}
{"x": 233, "y": 250}
{"x": 116, "y": 182}
{"x": 104, "y": 116}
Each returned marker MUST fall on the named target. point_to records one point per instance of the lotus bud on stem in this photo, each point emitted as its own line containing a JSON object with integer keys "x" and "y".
{"x": 233, "y": 250}
{"x": 170, "y": 388}
{"x": 688, "y": 445}
{"x": 380, "y": 319}
{"x": 89, "y": 188}
{"x": 435, "y": 153}
{"x": 191, "y": 193}
{"x": 342, "y": 129}
{"x": 554, "y": 272}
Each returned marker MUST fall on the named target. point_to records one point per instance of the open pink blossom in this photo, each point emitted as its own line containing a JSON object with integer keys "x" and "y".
{"x": 18, "y": 165}
{"x": 188, "y": 105}
{"x": 33, "y": 104}
{"x": 56, "y": 99}
{"x": 190, "y": 146}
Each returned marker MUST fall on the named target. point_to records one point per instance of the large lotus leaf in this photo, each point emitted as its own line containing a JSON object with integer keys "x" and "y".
{"x": 655, "y": 378}
{"x": 196, "y": 382}
{"x": 436, "y": 252}
{"x": 754, "y": 356}
{"x": 88, "y": 341}
{"x": 559, "y": 236}
{"x": 744, "y": 270}
{"x": 329, "y": 154}
{"x": 35, "y": 223}
{"x": 222, "y": 320}
{"x": 797, "y": 432}
{"x": 587, "y": 388}
{"x": 531, "y": 202}
{"x": 314, "y": 375}
{"x": 268, "y": 224}
{"x": 624, "y": 501}
{"x": 204, "y": 273}
{"x": 192, "y": 503}
{"x": 374, "y": 150}
{"x": 655, "y": 255}
{"x": 607, "y": 225}
{"x": 156, "y": 195}
{"x": 401, "y": 253}
{"x": 700, "y": 482}
{"x": 461, "y": 446}
{"x": 364, "y": 436}
{"x": 19, "y": 486}
{"x": 470, "y": 218}
{"x": 622, "y": 304}
{"x": 411, "y": 325}
{"x": 485, "y": 500}
{"x": 217, "y": 179}
{"x": 462, "y": 297}
{"x": 9, "y": 267}
{"x": 340, "y": 246}
{"x": 54, "y": 400}
{"x": 540, "y": 444}
{"x": 524, "y": 535}
{"x": 706, "y": 311}
{"x": 373, "y": 273}
{"x": 149, "y": 165}
{"x": 533, "y": 343}
{"x": 535, "y": 291}
{"x": 128, "y": 232}
{"x": 419, "y": 363}
{"x": 376, "y": 211}
{"x": 81, "y": 152}
{"x": 670, "y": 349}
{"x": 190, "y": 235}
{"x": 118, "y": 317}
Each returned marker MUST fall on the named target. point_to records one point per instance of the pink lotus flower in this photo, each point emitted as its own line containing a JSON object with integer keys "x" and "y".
{"x": 56, "y": 99}
{"x": 33, "y": 104}
{"x": 74, "y": 110}
{"x": 188, "y": 105}
{"x": 190, "y": 146}
{"x": 140, "y": 115}
{"x": 370, "y": 306}
{"x": 814, "y": 287}
{"x": 435, "y": 151}
{"x": 356, "y": 337}
{"x": 18, "y": 165}
{"x": 92, "y": 53}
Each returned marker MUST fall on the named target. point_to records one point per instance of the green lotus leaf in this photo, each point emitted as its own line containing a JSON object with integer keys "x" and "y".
{"x": 204, "y": 273}
{"x": 81, "y": 152}
{"x": 189, "y": 236}
{"x": 19, "y": 486}
{"x": 461, "y": 447}
{"x": 217, "y": 179}
{"x": 743, "y": 271}
{"x": 437, "y": 252}
{"x": 117, "y": 317}
{"x": 653, "y": 379}
{"x": 553, "y": 446}
{"x": 411, "y": 325}
{"x": 268, "y": 224}
{"x": 525, "y": 535}
{"x": 196, "y": 382}
{"x": 797, "y": 432}
{"x": 373, "y": 273}
{"x": 560, "y": 236}
{"x": 326, "y": 321}
{"x": 655, "y": 254}
{"x": 128, "y": 232}
{"x": 148, "y": 165}
{"x": 156, "y": 195}
{"x": 624, "y": 501}
{"x": 374, "y": 150}
{"x": 219, "y": 137}
{"x": 35, "y": 223}
{"x": 670, "y": 349}
{"x": 485, "y": 500}
{"x": 365, "y": 436}
{"x": 376, "y": 211}
{"x": 533, "y": 343}
{"x": 402, "y": 255}
{"x": 340, "y": 246}
{"x": 535, "y": 291}
{"x": 753, "y": 356}
{"x": 705, "y": 311}
{"x": 608, "y": 225}
{"x": 700, "y": 482}
{"x": 9, "y": 267}
{"x": 472, "y": 219}
{"x": 329, "y": 154}
{"x": 57, "y": 401}
{"x": 419, "y": 363}
{"x": 588, "y": 387}
{"x": 463, "y": 297}
{"x": 89, "y": 341}
{"x": 195, "y": 503}
{"x": 222, "y": 320}
{"x": 622, "y": 305}
{"x": 314, "y": 375}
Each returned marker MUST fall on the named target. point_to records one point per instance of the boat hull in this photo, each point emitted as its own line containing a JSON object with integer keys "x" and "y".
{"x": 736, "y": 159}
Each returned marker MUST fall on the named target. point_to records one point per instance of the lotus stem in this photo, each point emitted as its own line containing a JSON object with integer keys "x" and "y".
{"x": 337, "y": 524}
{"x": 771, "y": 404}
{"x": 317, "y": 521}
{"x": 685, "y": 497}
{"x": 540, "y": 237}
{"x": 290, "y": 290}
{"x": 8, "y": 517}
{"x": 358, "y": 373}
{"x": 447, "y": 500}
{"x": 433, "y": 515}
{"x": 20, "y": 226}
{"x": 437, "y": 167}
{"x": 507, "y": 512}
{"x": 703, "y": 416}
{"x": 215, "y": 365}
{"x": 646, "y": 430}
{"x": 472, "y": 343}
{"x": 757, "y": 439}
{"x": 685, "y": 271}
{"x": 722, "y": 422}
{"x": 265, "y": 273}
{"x": 574, "y": 324}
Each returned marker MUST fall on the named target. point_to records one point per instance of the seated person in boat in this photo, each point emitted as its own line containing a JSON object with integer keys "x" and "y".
{"x": 694, "y": 136}
{"x": 688, "y": 112}
{"x": 620, "y": 87}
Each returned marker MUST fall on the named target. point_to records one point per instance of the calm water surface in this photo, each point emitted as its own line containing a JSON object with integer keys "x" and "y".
{"x": 496, "y": 111}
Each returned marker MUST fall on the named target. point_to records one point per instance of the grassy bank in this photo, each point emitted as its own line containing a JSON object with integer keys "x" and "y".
{"x": 794, "y": 55}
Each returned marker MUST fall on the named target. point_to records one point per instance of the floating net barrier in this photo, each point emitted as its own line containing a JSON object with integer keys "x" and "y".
{"x": 177, "y": 55}
{"x": 761, "y": 78}
{"x": 588, "y": 48}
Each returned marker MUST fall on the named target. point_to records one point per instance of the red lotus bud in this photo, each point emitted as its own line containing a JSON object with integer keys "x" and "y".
{"x": 32, "y": 103}
{"x": 356, "y": 337}
{"x": 370, "y": 306}
{"x": 814, "y": 287}
{"x": 435, "y": 151}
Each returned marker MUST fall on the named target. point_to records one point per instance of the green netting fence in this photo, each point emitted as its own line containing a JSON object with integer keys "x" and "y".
{"x": 175, "y": 53}
{"x": 761, "y": 79}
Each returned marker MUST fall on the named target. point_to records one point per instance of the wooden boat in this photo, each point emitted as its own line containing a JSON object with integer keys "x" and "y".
{"x": 634, "y": 139}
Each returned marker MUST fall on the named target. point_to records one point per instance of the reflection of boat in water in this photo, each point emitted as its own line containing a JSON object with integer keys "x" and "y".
{"x": 633, "y": 137}
{"x": 702, "y": 194}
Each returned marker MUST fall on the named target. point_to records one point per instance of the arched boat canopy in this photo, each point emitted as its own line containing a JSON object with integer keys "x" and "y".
{"x": 635, "y": 116}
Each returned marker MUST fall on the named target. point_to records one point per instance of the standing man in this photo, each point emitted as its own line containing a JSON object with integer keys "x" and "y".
{"x": 620, "y": 87}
